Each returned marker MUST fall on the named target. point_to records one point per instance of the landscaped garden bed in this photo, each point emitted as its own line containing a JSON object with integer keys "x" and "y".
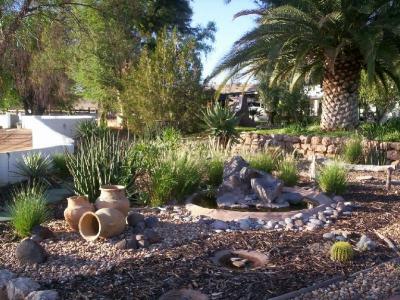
{"x": 296, "y": 259}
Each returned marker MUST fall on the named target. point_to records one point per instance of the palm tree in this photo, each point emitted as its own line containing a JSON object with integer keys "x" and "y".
{"x": 322, "y": 41}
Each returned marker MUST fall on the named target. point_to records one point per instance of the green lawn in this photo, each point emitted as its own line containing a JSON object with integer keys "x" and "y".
{"x": 299, "y": 130}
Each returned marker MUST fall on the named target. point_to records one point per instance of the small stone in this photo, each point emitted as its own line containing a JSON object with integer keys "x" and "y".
{"x": 143, "y": 243}
{"x": 347, "y": 213}
{"x": 338, "y": 199}
{"x": 127, "y": 244}
{"x": 340, "y": 238}
{"x": 43, "y": 295}
{"x": 316, "y": 222}
{"x": 239, "y": 263}
{"x": 289, "y": 226}
{"x": 288, "y": 221}
{"x": 151, "y": 222}
{"x": 19, "y": 288}
{"x": 5, "y": 277}
{"x": 299, "y": 223}
{"x": 219, "y": 225}
{"x": 244, "y": 224}
{"x": 364, "y": 178}
{"x": 365, "y": 243}
{"x": 134, "y": 218}
{"x": 298, "y": 216}
{"x": 152, "y": 236}
{"x": 328, "y": 235}
{"x": 30, "y": 252}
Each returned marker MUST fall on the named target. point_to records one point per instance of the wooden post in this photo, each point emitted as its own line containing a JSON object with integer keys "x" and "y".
{"x": 389, "y": 178}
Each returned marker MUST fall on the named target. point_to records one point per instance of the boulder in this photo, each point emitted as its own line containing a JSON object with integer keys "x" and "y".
{"x": 30, "y": 252}
{"x": 246, "y": 174}
{"x": 267, "y": 188}
{"x": 134, "y": 218}
{"x": 43, "y": 295}
{"x": 234, "y": 166}
{"x": 151, "y": 222}
{"x": 127, "y": 244}
{"x": 291, "y": 197}
{"x": 5, "y": 277}
{"x": 19, "y": 288}
{"x": 230, "y": 199}
{"x": 152, "y": 236}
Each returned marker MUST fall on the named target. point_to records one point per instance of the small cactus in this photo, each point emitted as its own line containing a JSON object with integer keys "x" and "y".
{"x": 342, "y": 251}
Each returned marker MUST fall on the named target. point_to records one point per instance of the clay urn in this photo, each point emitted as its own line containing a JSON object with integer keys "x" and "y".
{"x": 113, "y": 196}
{"x": 77, "y": 206}
{"x": 105, "y": 222}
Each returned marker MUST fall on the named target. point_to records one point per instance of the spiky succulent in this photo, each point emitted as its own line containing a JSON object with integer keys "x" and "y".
{"x": 342, "y": 252}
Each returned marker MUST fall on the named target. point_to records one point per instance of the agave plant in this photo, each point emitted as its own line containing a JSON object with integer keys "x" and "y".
{"x": 35, "y": 167}
{"x": 221, "y": 122}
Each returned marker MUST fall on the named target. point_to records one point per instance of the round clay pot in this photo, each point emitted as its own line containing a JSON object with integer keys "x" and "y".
{"x": 113, "y": 196}
{"x": 77, "y": 206}
{"x": 105, "y": 222}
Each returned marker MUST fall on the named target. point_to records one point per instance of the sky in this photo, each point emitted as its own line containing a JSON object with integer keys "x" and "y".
{"x": 228, "y": 30}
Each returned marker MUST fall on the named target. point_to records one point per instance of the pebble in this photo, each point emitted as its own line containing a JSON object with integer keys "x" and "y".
{"x": 328, "y": 235}
{"x": 219, "y": 225}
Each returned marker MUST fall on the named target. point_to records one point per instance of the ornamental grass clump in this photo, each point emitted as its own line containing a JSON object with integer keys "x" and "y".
{"x": 60, "y": 165}
{"x": 353, "y": 151}
{"x": 332, "y": 179}
{"x": 267, "y": 162}
{"x": 287, "y": 171}
{"x": 342, "y": 252}
{"x": 28, "y": 208}
{"x": 214, "y": 169}
{"x": 35, "y": 167}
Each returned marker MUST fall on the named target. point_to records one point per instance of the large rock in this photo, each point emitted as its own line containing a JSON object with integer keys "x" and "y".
{"x": 30, "y": 252}
{"x": 234, "y": 166}
{"x": 267, "y": 188}
{"x": 5, "y": 277}
{"x": 247, "y": 174}
{"x": 43, "y": 295}
{"x": 42, "y": 232}
{"x": 134, "y": 218}
{"x": 19, "y": 288}
{"x": 291, "y": 197}
{"x": 231, "y": 199}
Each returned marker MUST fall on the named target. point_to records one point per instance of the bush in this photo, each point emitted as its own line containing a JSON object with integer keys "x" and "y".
{"x": 221, "y": 123}
{"x": 266, "y": 162}
{"x": 332, "y": 179}
{"x": 60, "y": 165}
{"x": 99, "y": 161}
{"x": 353, "y": 151}
{"x": 287, "y": 171}
{"x": 28, "y": 208}
{"x": 35, "y": 167}
{"x": 214, "y": 169}
{"x": 174, "y": 178}
{"x": 88, "y": 129}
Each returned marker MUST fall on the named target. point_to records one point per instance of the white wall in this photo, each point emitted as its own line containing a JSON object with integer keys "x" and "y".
{"x": 8, "y": 120}
{"x": 9, "y": 159}
{"x": 48, "y": 131}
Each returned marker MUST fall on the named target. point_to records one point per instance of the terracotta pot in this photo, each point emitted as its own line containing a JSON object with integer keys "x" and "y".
{"x": 105, "y": 222}
{"x": 77, "y": 206}
{"x": 113, "y": 196}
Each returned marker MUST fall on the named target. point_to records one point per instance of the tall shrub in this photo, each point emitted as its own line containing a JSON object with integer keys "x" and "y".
{"x": 164, "y": 88}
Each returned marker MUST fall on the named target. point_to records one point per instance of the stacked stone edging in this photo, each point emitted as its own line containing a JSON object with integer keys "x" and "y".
{"x": 320, "y": 146}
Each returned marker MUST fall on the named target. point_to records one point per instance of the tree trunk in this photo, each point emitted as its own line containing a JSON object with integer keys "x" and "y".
{"x": 340, "y": 101}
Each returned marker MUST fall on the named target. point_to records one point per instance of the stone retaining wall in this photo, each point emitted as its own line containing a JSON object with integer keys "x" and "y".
{"x": 308, "y": 145}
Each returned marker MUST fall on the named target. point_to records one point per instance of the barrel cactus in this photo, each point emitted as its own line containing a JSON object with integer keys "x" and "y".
{"x": 342, "y": 251}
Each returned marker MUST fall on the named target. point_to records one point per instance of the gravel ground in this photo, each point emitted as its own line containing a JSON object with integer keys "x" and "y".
{"x": 380, "y": 282}
{"x": 83, "y": 270}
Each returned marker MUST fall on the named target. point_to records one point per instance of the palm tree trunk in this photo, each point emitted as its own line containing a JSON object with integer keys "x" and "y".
{"x": 340, "y": 101}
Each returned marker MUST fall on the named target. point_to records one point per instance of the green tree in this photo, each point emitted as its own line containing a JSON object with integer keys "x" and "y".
{"x": 282, "y": 104}
{"x": 316, "y": 41}
{"x": 164, "y": 88}
{"x": 381, "y": 97}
